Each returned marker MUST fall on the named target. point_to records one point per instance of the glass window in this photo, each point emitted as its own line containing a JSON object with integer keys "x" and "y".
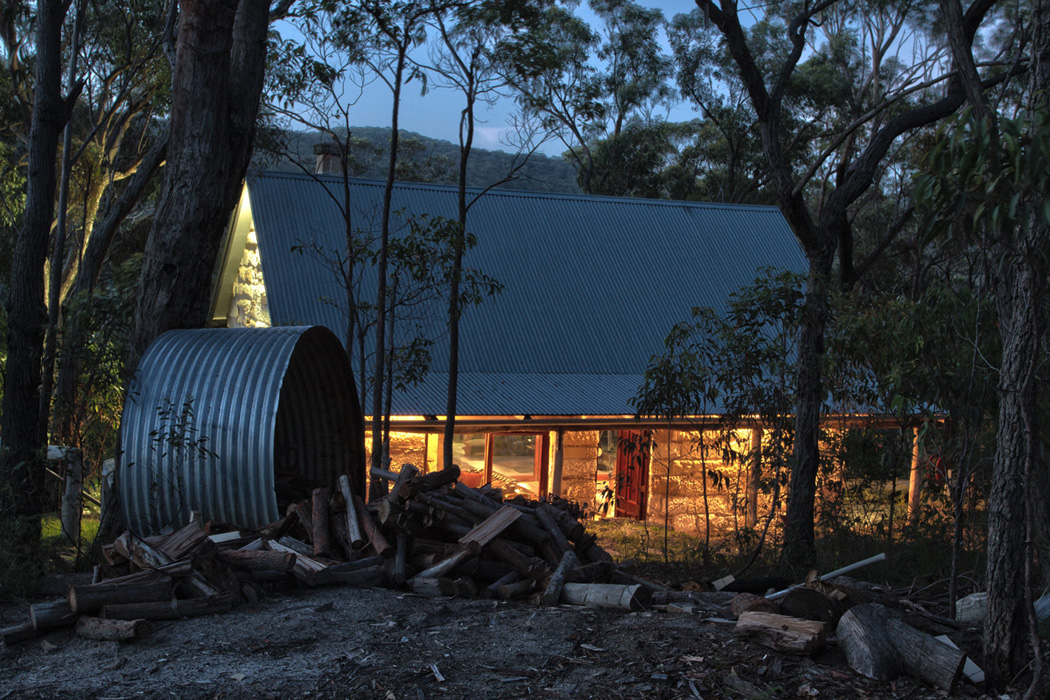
{"x": 514, "y": 462}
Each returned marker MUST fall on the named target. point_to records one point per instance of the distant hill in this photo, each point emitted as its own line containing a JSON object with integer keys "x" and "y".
{"x": 421, "y": 159}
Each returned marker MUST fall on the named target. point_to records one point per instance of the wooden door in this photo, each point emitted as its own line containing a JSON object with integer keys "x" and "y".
{"x": 632, "y": 473}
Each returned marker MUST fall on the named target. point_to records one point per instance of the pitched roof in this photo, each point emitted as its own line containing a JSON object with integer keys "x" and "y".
{"x": 592, "y": 285}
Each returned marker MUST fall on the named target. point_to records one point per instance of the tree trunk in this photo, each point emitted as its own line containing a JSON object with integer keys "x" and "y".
{"x": 1019, "y": 294}
{"x": 24, "y": 434}
{"x": 216, "y": 86}
{"x": 798, "y": 536}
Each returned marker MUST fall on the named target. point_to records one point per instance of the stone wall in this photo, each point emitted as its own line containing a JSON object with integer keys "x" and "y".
{"x": 579, "y": 463}
{"x": 248, "y": 305}
{"x": 677, "y": 481}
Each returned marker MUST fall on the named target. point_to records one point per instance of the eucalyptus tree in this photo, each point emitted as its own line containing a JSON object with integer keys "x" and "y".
{"x": 811, "y": 44}
{"x": 585, "y": 85}
{"x": 990, "y": 178}
{"x": 462, "y": 58}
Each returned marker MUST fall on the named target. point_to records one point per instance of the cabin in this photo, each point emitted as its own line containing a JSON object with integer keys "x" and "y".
{"x": 548, "y": 366}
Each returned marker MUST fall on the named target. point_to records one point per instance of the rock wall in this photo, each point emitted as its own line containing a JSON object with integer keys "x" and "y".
{"x": 248, "y": 305}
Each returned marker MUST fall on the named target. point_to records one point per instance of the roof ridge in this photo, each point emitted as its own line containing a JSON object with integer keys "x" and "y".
{"x": 505, "y": 192}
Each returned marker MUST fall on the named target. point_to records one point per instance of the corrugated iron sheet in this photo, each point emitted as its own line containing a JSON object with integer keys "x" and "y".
{"x": 213, "y": 415}
{"x": 592, "y": 284}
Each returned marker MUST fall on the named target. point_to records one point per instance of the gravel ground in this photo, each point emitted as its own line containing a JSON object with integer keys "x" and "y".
{"x": 377, "y": 643}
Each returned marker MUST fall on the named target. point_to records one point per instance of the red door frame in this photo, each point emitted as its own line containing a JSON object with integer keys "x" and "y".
{"x": 633, "y": 456}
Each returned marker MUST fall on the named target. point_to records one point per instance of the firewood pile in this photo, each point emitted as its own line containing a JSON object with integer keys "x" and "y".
{"x": 430, "y": 534}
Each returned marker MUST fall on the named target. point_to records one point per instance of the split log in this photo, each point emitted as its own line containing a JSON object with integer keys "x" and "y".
{"x": 377, "y": 473}
{"x": 113, "y": 630}
{"x": 88, "y": 599}
{"x": 304, "y": 567}
{"x": 57, "y": 613}
{"x": 353, "y": 524}
{"x": 17, "y": 633}
{"x": 259, "y": 560}
{"x": 173, "y": 609}
{"x": 492, "y": 527}
{"x": 217, "y": 576}
{"x": 880, "y": 645}
{"x": 781, "y": 633}
{"x": 552, "y": 594}
{"x": 371, "y": 530}
{"x": 338, "y": 531}
{"x": 486, "y": 569}
{"x": 319, "y": 522}
{"x": 605, "y": 595}
{"x": 291, "y": 544}
{"x": 180, "y": 543}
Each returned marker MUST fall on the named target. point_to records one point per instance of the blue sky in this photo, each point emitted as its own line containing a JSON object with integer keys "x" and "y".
{"x": 436, "y": 114}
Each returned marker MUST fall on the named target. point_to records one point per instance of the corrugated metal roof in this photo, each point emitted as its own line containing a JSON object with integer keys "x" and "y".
{"x": 592, "y": 284}
{"x": 213, "y": 415}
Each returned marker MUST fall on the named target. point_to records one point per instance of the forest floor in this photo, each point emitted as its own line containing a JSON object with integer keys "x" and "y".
{"x": 389, "y": 645}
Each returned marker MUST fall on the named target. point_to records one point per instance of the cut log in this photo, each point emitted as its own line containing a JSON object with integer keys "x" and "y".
{"x": 359, "y": 578}
{"x": 880, "y": 645}
{"x": 17, "y": 634}
{"x": 294, "y": 545}
{"x": 88, "y": 599}
{"x": 305, "y": 566}
{"x": 372, "y": 532}
{"x": 259, "y": 560}
{"x": 319, "y": 522}
{"x": 811, "y": 604}
{"x": 552, "y": 594}
{"x": 605, "y": 595}
{"x": 173, "y": 609}
{"x": 429, "y": 482}
{"x": 781, "y": 633}
{"x": 504, "y": 552}
{"x": 549, "y": 519}
{"x": 749, "y": 602}
{"x": 492, "y": 590}
{"x": 304, "y": 510}
{"x": 56, "y": 613}
{"x": 113, "y": 630}
{"x": 492, "y": 527}
{"x": 447, "y": 565}
{"x": 353, "y": 523}
{"x": 513, "y": 590}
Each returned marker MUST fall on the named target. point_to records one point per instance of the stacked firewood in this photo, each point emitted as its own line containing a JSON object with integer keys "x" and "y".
{"x": 429, "y": 534}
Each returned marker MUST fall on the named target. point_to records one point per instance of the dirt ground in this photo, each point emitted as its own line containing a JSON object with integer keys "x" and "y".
{"x": 383, "y": 644}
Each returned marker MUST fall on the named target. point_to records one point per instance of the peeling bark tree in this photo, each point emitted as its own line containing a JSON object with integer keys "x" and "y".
{"x": 218, "y": 79}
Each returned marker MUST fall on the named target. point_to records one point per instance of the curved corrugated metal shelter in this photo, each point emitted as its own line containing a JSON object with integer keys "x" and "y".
{"x": 221, "y": 420}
